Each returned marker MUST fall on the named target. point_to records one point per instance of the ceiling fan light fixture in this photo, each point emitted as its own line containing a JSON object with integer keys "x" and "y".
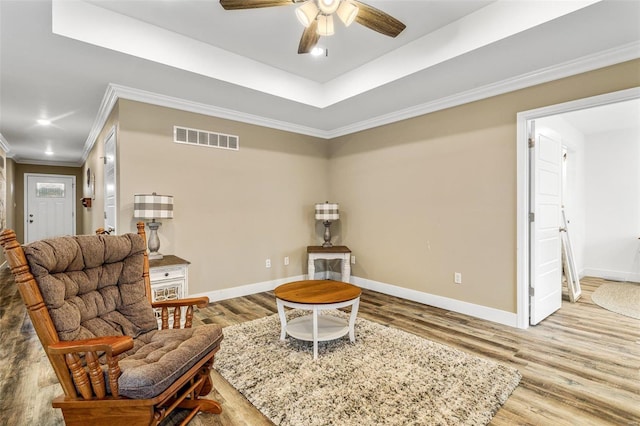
{"x": 325, "y": 25}
{"x": 307, "y": 13}
{"x": 347, "y": 12}
{"x": 328, "y": 6}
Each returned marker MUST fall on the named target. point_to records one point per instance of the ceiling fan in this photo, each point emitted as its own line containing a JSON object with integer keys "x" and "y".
{"x": 317, "y": 17}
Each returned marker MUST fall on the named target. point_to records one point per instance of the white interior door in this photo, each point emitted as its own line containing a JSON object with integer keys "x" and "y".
{"x": 49, "y": 206}
{"x": 545, "y": 251}
{"x": 110, "y": 201}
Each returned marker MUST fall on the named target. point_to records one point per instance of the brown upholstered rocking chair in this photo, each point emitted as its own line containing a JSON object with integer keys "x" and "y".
{"x": 89, "y": 299}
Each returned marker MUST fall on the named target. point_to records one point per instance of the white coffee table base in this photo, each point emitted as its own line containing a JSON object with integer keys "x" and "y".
{"x": 317, "y": 327}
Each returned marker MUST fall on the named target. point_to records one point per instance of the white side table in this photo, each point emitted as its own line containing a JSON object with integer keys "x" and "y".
{"x": 169, "y": 281}
{"x": 336, "y": 252}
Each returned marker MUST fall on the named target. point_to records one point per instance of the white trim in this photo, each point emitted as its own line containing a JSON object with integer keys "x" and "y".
{"x": 522, "y": 172}
{"x": 248, "y": 289}
{"x": 612, "y": 275}
{"x": 587, "y": 63}
{"x": 453, "y": 305}
{"x": 47, "y": 163}
{"x": 4, "y": 145}
{"x": 109, "y": 101}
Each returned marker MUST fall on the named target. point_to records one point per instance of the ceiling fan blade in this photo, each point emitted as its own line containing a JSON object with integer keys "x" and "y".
{"x": 252, "y": 4}
{"x": 377, "y": 20}
{"x": 309, "y": 38}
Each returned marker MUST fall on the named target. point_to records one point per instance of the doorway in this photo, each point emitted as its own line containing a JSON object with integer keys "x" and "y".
{"x": 524, "y": 208}
{"x": 110, "y": 193}
{"x": 50, "y": 206}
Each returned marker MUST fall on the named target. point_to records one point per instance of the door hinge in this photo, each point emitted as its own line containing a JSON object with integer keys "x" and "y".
{"x": 532, "y": 217}
{"x": 105, "y": 215}
{"x": 532, "y": 142}
{"x": 104, "y": 159}
{"x": 532, "y": 291}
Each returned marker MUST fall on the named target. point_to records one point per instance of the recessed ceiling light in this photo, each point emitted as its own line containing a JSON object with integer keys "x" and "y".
{"x": 48, "y": 152}
{"x": 44, "y": 122}
{"x": 317, "y": 51}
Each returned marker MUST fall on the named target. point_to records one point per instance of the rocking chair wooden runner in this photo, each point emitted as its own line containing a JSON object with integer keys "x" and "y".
{"x": 89, "y": 299}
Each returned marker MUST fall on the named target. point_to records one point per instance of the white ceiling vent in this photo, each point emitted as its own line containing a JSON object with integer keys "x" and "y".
{"x": 204, "y": 138}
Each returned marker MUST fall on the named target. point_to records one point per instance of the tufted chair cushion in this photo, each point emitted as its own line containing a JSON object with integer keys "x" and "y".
{"x": 93, "y": 286}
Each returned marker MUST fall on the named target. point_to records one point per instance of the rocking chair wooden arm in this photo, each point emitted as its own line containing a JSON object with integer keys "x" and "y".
{"x": 111, "y": 345}
{"x": 177, "y": 305}
{"x": 90, "y": 382}
{"x": 200, "y": 302}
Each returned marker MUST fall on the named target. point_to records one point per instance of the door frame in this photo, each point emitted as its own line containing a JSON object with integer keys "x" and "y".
{"x": 25, "y": 184}
{"x": 522, "y": 182}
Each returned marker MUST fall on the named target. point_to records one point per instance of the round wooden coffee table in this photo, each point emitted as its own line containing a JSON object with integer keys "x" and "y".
{"x": 317, "y": 295}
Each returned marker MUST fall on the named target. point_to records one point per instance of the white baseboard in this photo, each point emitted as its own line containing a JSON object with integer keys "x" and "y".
{"x": 609, "y": 274}
{"x": 477, "y": 311}
{"x": 246, "y": 290}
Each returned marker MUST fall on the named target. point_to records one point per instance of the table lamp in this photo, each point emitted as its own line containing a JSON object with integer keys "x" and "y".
{"x": 327, "y": 212}
{"x": 153, "y": 206}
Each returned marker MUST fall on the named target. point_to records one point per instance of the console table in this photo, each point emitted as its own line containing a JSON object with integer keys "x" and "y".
{"x": 336, "y": 252}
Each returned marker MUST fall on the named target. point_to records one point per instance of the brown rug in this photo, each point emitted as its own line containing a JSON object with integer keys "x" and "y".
{"x": 622, "y": 298}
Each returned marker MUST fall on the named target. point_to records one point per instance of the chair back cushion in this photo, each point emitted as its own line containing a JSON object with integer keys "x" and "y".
{"x": 93, "y": 285}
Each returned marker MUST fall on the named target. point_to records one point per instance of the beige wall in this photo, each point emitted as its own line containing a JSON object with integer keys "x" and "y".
{"x": 420, "y": 199}
{"x": 233, "y": 209}
{"x": 21, "y": 169}
{"x": 426, "y": 197}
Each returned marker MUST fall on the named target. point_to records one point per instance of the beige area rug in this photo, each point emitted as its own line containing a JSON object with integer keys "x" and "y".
{"x": 622, "y": 298}
{"x": 388, "y": 377}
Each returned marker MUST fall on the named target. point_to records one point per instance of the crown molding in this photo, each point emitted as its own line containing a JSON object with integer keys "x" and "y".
{"x": 4, "y": 145}
{"x": 587, "y": 63}
{"x": 109, "y": 101}
{"x": 49, "y": 163}
{"x": 584, "y": 64}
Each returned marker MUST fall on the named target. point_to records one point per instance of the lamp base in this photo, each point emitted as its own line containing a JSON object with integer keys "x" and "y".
{"x": 154, "y": 241}
{"x": 327, "y": 235}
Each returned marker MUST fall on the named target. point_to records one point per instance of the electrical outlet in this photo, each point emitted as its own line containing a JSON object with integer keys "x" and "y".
{"x": 267, "y": 263}
{"x": 286, "y": 260}
{"x": 353, "y": 260}
{"x": 457, "y": 278}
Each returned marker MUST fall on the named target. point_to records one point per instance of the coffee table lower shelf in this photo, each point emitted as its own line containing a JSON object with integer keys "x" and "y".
{"x": 329, "y": 328}
{"x": 326, "y": 327}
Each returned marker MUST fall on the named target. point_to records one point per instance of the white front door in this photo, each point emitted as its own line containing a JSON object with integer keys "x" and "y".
{"x": 49, "y": 206}
{"x": 545, "y": 243}
{"x": 110, "y": 207}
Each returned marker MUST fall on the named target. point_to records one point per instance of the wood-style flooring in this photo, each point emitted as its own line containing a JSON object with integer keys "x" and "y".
{"x": 580, "y": 366}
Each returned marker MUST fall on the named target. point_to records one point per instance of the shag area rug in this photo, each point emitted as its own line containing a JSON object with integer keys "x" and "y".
{"x": 388, "y": 377}
{"x": 622, "y": 298}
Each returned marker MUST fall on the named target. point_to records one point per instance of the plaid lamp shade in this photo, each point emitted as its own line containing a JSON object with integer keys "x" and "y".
{"x": 152, "y": 206}
{"x": 327, "y": 211}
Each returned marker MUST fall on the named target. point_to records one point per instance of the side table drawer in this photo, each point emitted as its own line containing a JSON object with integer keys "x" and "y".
{"x": 160, "y": 274}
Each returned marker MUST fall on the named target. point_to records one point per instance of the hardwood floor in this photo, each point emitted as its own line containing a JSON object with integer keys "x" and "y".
{"x": 580, "y": 366}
